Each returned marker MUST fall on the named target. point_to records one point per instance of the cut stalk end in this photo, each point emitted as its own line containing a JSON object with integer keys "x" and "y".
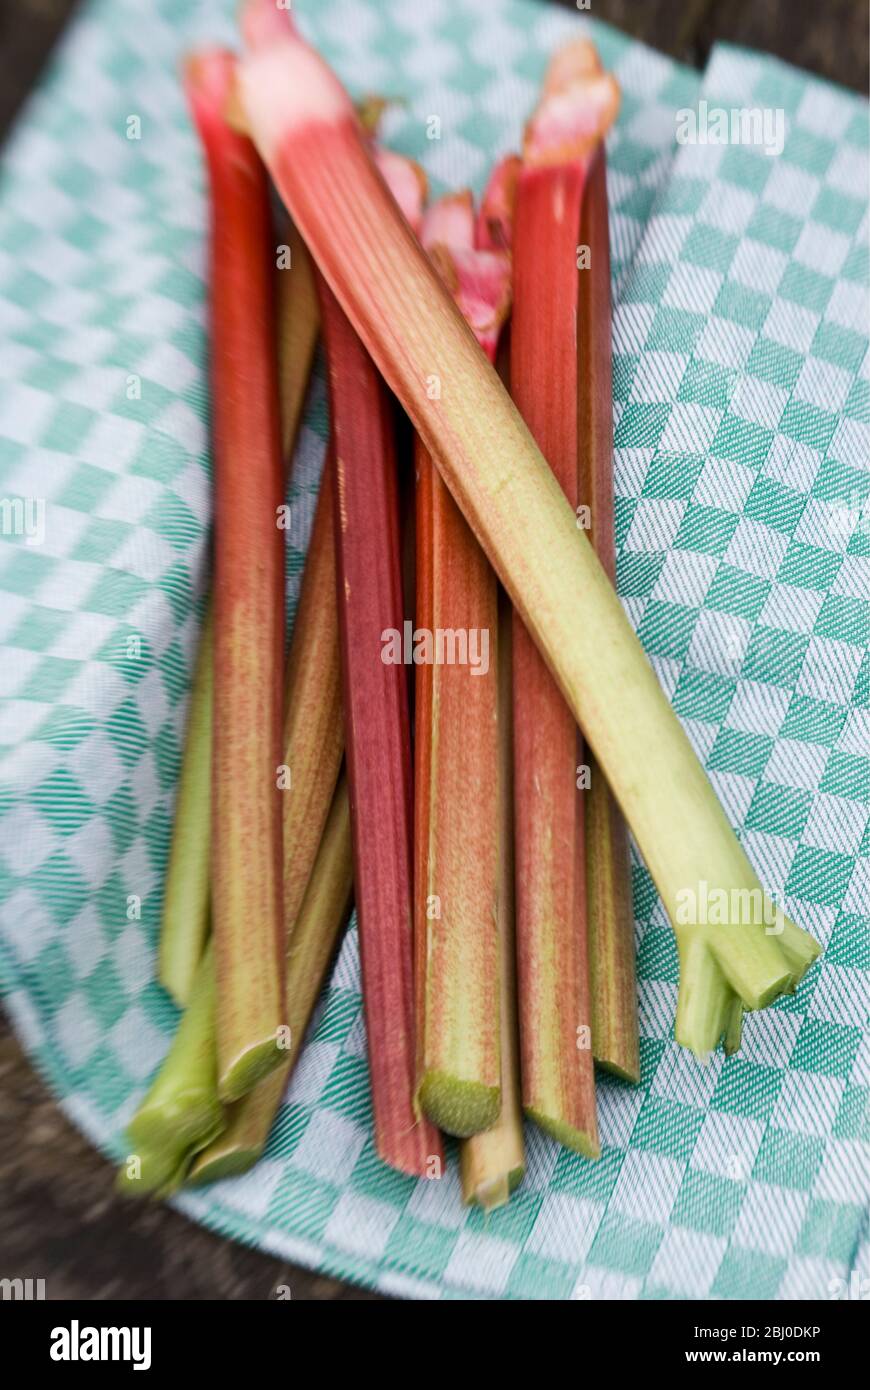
{"x": 238, "y": 1147}
{"x": 734, "y": 1027}
{"x": 799, "y": 948}
{"x": 492, "y": 1193}
{"x": 459, "y": 1107}
{"x": 583, "y": 1142}
{"x": 217, "y": 1166}
{"x": 250, "y": 1067}
{"x": 578, "y": 106}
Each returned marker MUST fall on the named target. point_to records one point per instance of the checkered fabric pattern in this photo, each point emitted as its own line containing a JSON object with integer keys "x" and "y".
{"x": 741, "y": 430}
{"x": 741, "y": 480}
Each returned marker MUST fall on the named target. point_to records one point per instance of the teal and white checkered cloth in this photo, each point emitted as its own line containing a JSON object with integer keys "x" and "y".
{"x": 742, "y": 414}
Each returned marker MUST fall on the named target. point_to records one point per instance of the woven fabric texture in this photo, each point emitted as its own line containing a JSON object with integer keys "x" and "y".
{"x": 744, "y": 535}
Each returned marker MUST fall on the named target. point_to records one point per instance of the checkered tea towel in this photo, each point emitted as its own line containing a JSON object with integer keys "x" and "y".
{"x": 741, "y": 1178}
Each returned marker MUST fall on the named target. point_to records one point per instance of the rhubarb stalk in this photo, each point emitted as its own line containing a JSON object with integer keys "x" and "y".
{"x": 185, "y": 920}
{"x": 313, "y": 751}
{"x": 184, "y": 925}
{"x": 313, "y": 731}
{"x": 552, "y": 953}
{"x": 248, "y": 593}
{"x": 312, "y": 945}
{"x": 297, "y": 329}
{"x": 305, "y": 127}
{"x": 377, "y": 735}
{"x": 492, "y": 1164}
{"x": 612, "y": 971}
{"x": 314, "y": 865}
{"x": 456, "y": 746}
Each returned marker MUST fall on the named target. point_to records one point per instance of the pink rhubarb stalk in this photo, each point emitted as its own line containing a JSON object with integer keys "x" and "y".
{"x": 307, "y": 131}
{"x": 248, "y": 592}
{"x": 377, "y": 730}
{"x": 456, "y": 784}
{"x": 377, "y": 736}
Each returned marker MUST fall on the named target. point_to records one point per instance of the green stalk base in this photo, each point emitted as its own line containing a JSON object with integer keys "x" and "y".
{"x": 614, "y": 1069}
{"x": 459, "y": 1107}
{"x": 181, "y": 1111}
{"x": 165, "y": 1143}
{"x": 727, "y": 969}
{"x": 177, "y": 1124}
{"x": 230, "y": 1163}
{"x": 492, "y": 1195}
{"x": 734, "y": 1027}
{"x": 569, "y": 1138}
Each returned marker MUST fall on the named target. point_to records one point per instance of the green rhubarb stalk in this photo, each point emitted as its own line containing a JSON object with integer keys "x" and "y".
{"x": 311, "y": 949}
{"x": 181, "y": 1112}
{"x": 492, "y": 1164}
{"x": 184, "y": 926}
{"x": 305, "y": 126}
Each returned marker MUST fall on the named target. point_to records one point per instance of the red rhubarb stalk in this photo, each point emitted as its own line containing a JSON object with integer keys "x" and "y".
{"x": 555, "y": 1006}
{"x": 377, "y": 732}
{"x": 304, "y": 125}
{"x": 248, "y": 593}
{"x": 377, "y": 736}
{"x": 456, "y": 744}
{"x": 185, "y": 921}
{"x": 612, "y": 971}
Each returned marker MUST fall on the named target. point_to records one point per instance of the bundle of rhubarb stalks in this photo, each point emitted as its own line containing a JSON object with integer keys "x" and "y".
{"x": 490, "y": 865}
